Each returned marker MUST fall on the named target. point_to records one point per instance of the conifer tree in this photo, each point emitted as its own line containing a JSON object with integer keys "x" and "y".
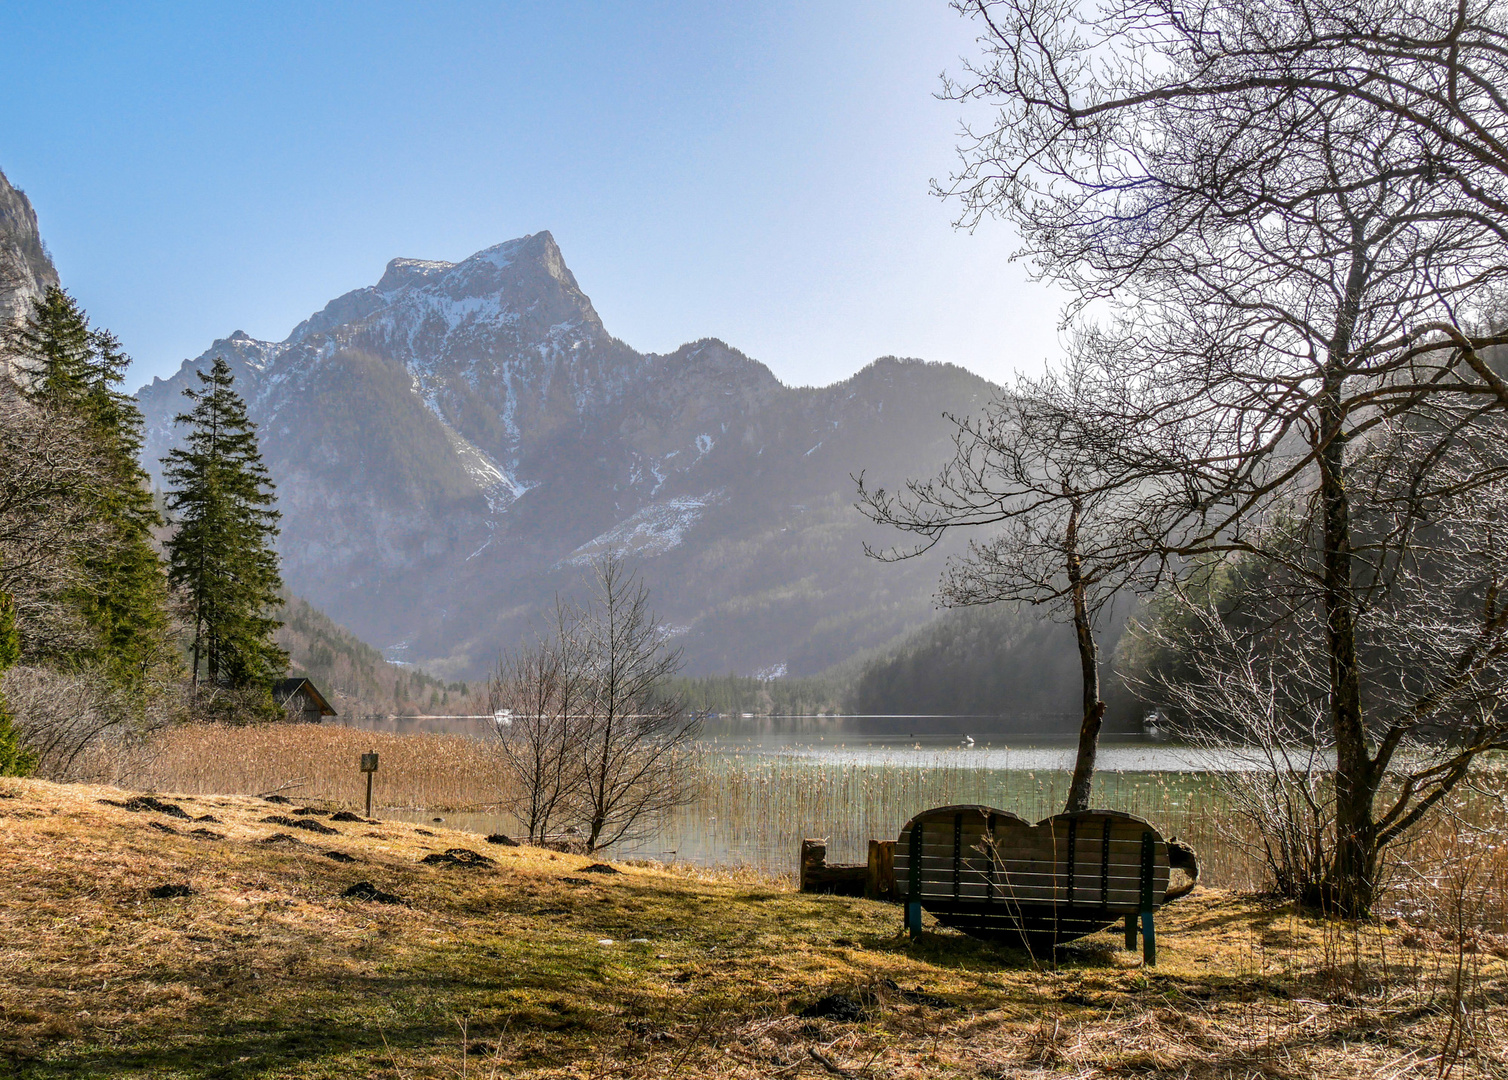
{"x": 120, "y": 590}
{"x": 223, "y": 502}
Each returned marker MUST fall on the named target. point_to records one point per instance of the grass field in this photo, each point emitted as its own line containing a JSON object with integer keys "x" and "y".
{"x": 535, "y": 967}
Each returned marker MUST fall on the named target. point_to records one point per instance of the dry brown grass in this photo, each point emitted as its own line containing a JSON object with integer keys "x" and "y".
{"x": 315, "y": 761}
{"x": 265, "y": 971}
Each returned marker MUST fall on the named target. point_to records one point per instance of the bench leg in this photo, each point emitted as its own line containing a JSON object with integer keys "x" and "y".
{"x": 914, "y": 918}
{"x": 1130, "y": 931}
{"x": 1148, "y": 940}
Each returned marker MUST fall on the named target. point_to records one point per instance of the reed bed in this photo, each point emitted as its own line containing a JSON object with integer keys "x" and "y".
{"x": 319, "y": 762}
{"x": 751, "y": 804}
{"x": 749, "y": 811}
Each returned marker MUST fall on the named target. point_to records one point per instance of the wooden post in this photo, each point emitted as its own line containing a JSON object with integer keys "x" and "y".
{"x": 813, "y": 859}
{"x": 369, "y": 766}
{"x": 881, "y": 882}
{"x": 914, "y": 886}
{"x": 1148, "y": 932}
{"x": 1130, "y": 931}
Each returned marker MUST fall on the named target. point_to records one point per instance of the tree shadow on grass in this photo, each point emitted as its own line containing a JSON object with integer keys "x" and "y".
{"x": 224, "y": 1041}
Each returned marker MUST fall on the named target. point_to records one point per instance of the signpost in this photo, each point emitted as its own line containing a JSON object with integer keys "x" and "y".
{"x": 369, "y": 766}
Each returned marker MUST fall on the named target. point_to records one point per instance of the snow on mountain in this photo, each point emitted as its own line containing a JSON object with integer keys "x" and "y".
{"x": 451, "y": 444}
{"x": 651, "y": 530}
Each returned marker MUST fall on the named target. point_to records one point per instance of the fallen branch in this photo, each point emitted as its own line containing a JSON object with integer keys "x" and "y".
{"x": 826, "y": 1062}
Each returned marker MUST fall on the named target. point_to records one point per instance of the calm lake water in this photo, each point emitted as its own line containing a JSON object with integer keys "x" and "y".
{"x": 770, "y": 782}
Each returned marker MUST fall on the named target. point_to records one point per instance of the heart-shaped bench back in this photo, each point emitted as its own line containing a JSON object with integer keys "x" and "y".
{"x": 975, "y": 866}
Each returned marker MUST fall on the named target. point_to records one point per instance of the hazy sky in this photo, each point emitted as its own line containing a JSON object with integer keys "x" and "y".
{"x": 754, "y": 172}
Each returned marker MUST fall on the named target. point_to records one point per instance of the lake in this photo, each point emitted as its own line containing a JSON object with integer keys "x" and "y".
{"x": 767, "y": 783}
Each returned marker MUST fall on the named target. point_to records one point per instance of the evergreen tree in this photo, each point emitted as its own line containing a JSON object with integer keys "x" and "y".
{"x": 15, "y": 759}
{"x": 221, "y": 554}
{"x": 121, "y": 592}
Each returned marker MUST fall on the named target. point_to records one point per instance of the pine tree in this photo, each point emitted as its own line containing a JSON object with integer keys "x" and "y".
{"x": 221, "y": 554}
{"x": 15, "y": 759}
{"x": 121, "y": 591}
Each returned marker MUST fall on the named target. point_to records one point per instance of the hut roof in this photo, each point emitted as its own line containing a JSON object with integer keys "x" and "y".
{"x": 284, "y": 689}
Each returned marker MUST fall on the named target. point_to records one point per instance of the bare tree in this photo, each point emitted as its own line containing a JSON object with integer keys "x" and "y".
{"x": 638, "y": 734}
{"x": 1431, "y": 634}
{"x": 1022, "y": 472}
{"x": 1242, "y": 701}
{"x": 68, "y": 718}
{"x": 1083, "y": 93}
{"x": 1291, "y": 269}
{"x": 536, "y": 699}
{"x": 50, "y": 477}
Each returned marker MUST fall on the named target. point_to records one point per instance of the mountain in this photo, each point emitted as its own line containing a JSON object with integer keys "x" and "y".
{"x": 26, "y": 268}
{"x": 453, "y": 444}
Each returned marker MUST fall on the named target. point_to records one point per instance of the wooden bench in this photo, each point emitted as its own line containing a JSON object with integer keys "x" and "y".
{"x": 994, "y": 876}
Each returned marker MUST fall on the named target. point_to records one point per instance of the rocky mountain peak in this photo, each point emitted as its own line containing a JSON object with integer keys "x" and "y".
{"x": 404, "y": 273}
{"x": 26, "y": 269}
{"x": 451, "y": 443}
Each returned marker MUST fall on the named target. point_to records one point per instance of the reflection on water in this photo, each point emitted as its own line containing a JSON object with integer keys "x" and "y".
{"x": 769, "y": 782}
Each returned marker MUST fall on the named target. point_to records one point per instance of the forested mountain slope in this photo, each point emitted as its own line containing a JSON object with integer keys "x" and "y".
{"x": 452, "y": 444}
{"x": 353, "y": 676}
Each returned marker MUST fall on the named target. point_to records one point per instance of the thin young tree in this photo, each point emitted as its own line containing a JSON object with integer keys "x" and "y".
{"x": 637, "y": 733}
{"x": 221, "y": 552}
{"x": 1039, "y": 493}
{"x": 1292, "y": 267}
{"x": 535, "y": 698}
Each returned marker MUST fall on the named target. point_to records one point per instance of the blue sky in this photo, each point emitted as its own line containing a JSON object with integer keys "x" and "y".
{"x": 754, "y": 172}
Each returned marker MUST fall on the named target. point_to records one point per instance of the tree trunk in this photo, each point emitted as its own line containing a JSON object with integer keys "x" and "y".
{"x": 1089, "y": 664}
{"x": 1351, "y": 881}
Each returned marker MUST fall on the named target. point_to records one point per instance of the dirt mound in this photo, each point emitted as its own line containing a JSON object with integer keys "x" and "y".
{"x": 365, "y": 890}
{"x": 282, "y": 800}
{"x": 281, "y": 838}
{"x": 600, "y": 868}
{"x": 206, "y": 834}
{"x": 839, "y": 1007}
{"x": 208, "y": 817}
{"x": 339, "y": 856}
{"x": 499, "y": 838}
{"x": 423, "y": 832}
{"x": 306, "y": 811}
{"x": 169, "y": 892}
{"x": 300, "y": 823}
{"x": 163, "y": 826}
{"x": 458, "y": 856}
{"x": 145, "y": 802}
{"x": 346, "y": 815}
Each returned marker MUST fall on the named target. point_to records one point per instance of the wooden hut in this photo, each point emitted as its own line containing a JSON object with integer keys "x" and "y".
{"x": 301, "y": 700}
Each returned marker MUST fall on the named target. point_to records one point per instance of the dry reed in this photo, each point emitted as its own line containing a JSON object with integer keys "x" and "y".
{"x": 316, "y": 762}
{"x": 753, "y": 809}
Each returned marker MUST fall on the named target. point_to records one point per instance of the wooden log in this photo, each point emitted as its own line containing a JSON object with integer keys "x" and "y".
{"x": 817, "y": 876}
{"x": 881, "y": 881}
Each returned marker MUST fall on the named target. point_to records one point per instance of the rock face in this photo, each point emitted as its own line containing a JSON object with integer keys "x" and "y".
{"x": 26, "y": 269}
{"x": 452, "y": 446}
